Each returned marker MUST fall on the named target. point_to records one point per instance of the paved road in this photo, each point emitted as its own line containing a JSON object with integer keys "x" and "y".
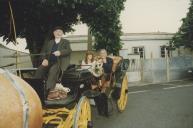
{"x": 167, "y": 105}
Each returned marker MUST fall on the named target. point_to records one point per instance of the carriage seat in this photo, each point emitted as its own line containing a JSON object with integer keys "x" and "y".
{"x": 67, "y": 102}
{"x": 116, "y": 61}
{"x": 76, "y": 74}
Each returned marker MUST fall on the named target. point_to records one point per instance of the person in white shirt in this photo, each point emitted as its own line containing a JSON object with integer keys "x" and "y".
{"x": 88, "y": 62}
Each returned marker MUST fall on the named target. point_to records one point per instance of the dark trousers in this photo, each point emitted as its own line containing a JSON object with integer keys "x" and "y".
{"x": 51, "y": 72}
{"x": 101, "y": 102}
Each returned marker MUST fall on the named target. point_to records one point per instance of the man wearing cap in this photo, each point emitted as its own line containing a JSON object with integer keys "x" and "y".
{"x": 56, "y": 57}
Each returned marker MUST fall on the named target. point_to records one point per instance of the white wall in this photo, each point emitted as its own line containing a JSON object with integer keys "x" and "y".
{"x": 150, "y": 41}
{"x": 79, "y": 46}
{"x": 150, "y": 46}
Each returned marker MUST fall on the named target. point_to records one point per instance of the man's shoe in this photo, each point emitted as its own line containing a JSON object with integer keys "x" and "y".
{"x": 53, "y": 95}
{"x": 62, "y": 94}
{"x": 60, "y": 87}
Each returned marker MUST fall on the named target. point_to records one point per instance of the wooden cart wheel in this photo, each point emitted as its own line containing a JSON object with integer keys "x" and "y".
{"x": 83, "y": 113}
{"x": 122, "y": 101}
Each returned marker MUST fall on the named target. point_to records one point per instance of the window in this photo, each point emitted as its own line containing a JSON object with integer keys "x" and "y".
{"x": 164, "y": 51}
{"x": 140, "y": 51}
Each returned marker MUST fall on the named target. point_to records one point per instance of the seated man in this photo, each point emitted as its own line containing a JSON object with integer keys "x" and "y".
{"x": 107, "y": 67}
{"x": 102, "y": 100}
{"x": 56, "y": 58}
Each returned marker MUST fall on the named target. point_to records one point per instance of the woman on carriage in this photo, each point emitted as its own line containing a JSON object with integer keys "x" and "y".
{"x": 101, "y": 69}
{"x": 88, "y": 62}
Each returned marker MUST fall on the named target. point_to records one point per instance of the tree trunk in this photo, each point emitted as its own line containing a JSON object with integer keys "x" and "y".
{"x": 89, "y": 41}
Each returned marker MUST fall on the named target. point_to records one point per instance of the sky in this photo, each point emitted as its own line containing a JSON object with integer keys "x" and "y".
{"x": 140, "y": 16}
{"x": 148, "y": 16}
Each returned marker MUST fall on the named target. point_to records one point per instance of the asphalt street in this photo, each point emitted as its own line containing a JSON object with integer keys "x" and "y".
{"x": 168, "y": 105}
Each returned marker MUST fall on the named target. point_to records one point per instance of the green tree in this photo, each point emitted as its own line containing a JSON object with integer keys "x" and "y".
{"x": 184, "y": 36}
{"x": 34, "y": 19}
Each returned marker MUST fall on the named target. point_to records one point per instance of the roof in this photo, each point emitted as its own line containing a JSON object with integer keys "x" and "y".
{"x": 129, "y": 36}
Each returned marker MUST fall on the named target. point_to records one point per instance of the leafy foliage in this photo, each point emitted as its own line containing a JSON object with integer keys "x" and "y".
{"x": 35, "y": 19}
{"x": 184, "y": 36}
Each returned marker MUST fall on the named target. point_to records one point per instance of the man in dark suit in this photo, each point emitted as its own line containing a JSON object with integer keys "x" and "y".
{"x": 107, "y": 64}
{"x": 56, "y": 57}
{"x": 102, "y": 100}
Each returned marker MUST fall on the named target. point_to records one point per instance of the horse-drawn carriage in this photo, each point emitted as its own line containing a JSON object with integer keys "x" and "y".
{"x": 74, "y": 111}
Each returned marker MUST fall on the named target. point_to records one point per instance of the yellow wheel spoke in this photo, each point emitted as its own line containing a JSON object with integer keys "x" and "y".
{"x": 122, "y": 102}
{"x": 83, "y": 113}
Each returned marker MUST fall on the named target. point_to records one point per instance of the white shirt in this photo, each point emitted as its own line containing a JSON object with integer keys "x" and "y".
{"x": 88, "y": 66}
{"x": 57, "y": 40}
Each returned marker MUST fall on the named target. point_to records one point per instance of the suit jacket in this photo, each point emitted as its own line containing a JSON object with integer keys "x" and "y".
{"x": 64, "y": 47}
{"x": 108, "y": 65}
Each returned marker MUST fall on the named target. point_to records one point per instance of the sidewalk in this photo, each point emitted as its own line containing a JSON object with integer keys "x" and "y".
{"x": 139, "y": 83}
{"x": 142, "y": 83}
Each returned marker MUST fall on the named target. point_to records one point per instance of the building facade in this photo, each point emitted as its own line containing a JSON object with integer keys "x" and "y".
{"x": 146, "y": 45}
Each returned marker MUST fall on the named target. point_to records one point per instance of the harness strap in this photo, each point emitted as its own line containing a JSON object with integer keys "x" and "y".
{"x": 23, "y": 97}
